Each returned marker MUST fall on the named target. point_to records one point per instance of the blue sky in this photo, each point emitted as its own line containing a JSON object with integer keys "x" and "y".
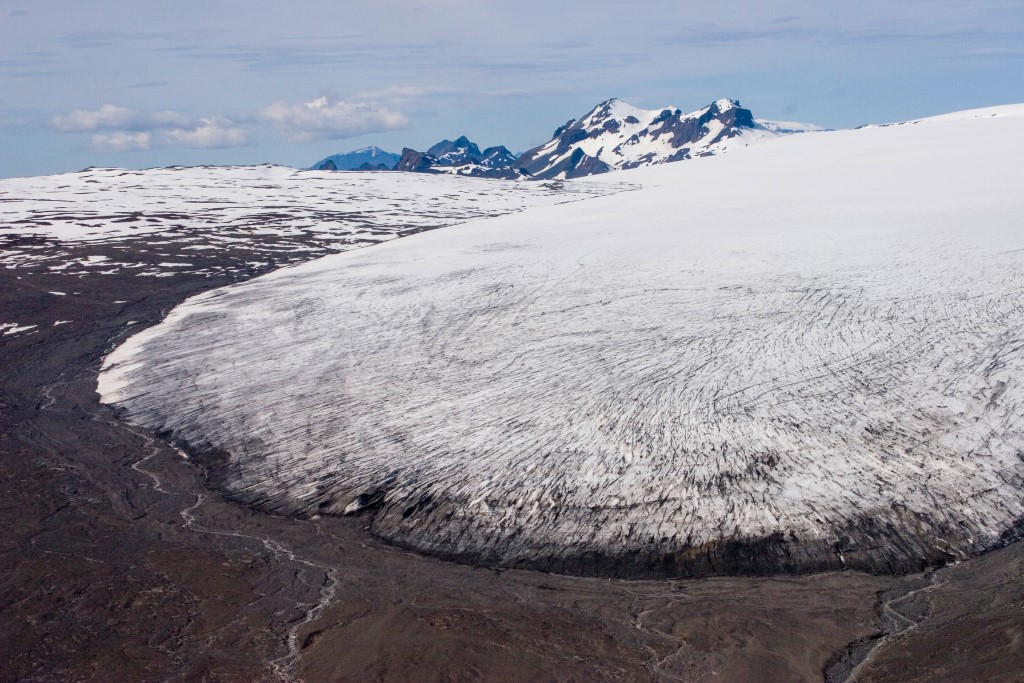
{"x": 136, "y": 84}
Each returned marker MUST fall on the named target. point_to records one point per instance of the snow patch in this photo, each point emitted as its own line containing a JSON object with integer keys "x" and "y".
{"x": 14, "y": 328}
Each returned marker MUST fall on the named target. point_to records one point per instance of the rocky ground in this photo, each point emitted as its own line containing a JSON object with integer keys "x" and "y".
{"x": 118, "y": 563}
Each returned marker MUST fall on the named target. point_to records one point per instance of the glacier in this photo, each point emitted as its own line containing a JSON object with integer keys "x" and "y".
{"x": 800, "y": 356}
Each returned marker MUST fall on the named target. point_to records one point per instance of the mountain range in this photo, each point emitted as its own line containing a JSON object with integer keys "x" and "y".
{"x": 461, "y": 157}
{"x": 613, "y": 135}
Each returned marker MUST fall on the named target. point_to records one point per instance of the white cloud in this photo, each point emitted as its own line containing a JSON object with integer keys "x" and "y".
{"x": 326, "y": 117}
{"x": 399, "y": 92}
{"x": 120, "y": 141}
{"x": 209, "y": 134}
{"x": 131, "y": 130}
{"x": 111, "y": 116}
{"x": 121, "y": 129}
{"x": 107, "y": 116}
{"x": 412, "y": 92}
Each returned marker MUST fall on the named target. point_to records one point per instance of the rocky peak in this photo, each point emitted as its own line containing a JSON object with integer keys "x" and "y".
{"x": 455, "y": 152}
{"x": 419, "y": 162}
{"x": 497, "y": 157}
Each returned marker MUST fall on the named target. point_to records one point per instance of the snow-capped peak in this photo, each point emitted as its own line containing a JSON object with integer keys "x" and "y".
{"x": 613, "y": 110}
{"x": 724, "y": 104}
{"x": 372, "y": 150}
{"x": 616, "y": 135}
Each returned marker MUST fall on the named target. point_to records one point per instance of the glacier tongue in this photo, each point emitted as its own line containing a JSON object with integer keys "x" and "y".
{"x": 806, "y": 355}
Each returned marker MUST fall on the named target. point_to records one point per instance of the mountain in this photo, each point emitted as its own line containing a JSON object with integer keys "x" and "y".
{"x": 458, "y": 152}
{"x": 460, "y": 157}
{"x": 615, "y": 135}
{"x": 416, "y": 162}
{"x": 365, "y": 159}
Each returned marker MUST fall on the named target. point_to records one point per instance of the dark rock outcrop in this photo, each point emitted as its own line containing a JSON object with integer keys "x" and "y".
{"x": 417, "y": 162}
{"x": 461, "y": 157}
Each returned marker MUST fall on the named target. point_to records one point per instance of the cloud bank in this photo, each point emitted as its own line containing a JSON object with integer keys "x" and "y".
{"x": 209, "y": 134}
{"x": 326, "y": 117}
{"x": 120, "y": 141}
{"x": 111, "y": 116}
{"x": 122, "y": 129}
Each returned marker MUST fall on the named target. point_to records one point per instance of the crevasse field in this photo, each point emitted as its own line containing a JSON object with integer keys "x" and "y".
{"x": 806, "y": 354}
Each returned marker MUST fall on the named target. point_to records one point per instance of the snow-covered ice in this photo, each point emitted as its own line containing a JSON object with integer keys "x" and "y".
{"x": 110, "y": 203}
{"x": 43, "y": 220}
{"x": 806, "y": 354}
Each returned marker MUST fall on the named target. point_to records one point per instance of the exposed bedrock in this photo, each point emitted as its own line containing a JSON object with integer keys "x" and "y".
{"x": 607, "y": 388}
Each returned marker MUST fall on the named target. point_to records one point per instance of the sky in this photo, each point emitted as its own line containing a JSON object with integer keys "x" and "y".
{"x": 135, "y": 84}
